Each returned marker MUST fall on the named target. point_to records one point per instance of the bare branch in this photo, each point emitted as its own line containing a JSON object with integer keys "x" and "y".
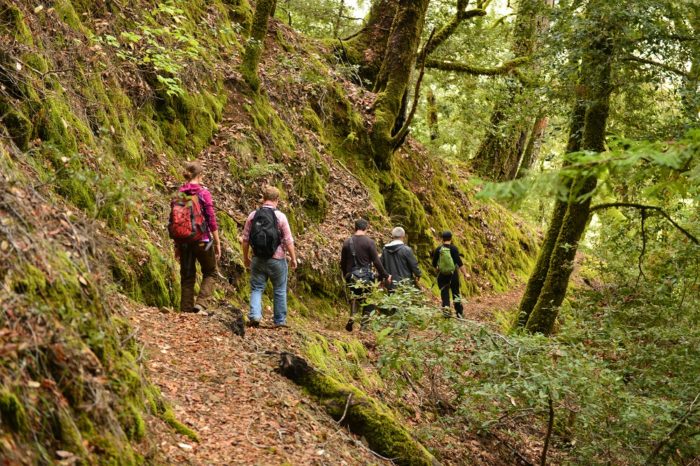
{"x": 681, "y": 422}
{"x": 505, "y": 68}
{"x": 632, "y": 205}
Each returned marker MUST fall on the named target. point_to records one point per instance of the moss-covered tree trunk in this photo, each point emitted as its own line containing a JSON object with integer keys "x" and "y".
{"x": 394, "y": 77}
{"x": 534, "y": 143}
{"x": 596, "y": 70}
{"x": 256, "y": 41}
{"x": 500, "y": 152}
{"x": 539, "y": 273}
{"x": 368, "y": 48}
{"x": 432, "y": 115}
{"x": 361, "y": 414}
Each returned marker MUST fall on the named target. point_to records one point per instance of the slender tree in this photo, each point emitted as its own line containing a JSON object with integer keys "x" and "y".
{"x": 596, "y": 69}
{"x": 501, "y": 150}
{"x": 534, "y": 143}
{"x": 256, "y": 40}
{"x": 432, "y": 115}
{"x": 539, "y": 273}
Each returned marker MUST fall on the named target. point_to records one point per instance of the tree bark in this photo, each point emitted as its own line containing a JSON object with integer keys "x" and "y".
{"x": 256, "y": 41}
{"x": 534, "y": 143}
{"x": 368, "y": 48}
{"x": 539, "y": 273}
{"x": 394, "y": 77}
{"x": 500, "y": 152}
{"x": 432, "y": 115}
{"x": 691, "y": 83}
{"x": 596, "y": 69}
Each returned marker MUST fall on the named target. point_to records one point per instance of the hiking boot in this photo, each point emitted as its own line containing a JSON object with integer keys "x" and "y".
{"x": 446, "y": 312}
{"x": 253, "y": 323}
{"x": 282, "y": 325}
{"x": 349, "y": 325}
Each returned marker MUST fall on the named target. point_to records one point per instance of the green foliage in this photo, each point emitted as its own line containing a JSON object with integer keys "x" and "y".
{"x": 621, "y": 373}
{"x": 162, "y": 43}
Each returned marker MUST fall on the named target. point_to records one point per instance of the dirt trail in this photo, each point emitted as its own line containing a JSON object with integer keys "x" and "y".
{"x": 225, "y": 388}
{"x": 484, "y": 307}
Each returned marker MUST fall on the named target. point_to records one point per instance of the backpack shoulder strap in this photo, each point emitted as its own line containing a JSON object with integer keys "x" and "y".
{"x": 352, "y": 251}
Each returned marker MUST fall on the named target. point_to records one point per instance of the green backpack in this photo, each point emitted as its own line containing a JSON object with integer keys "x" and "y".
{"x": 446, "y": 265}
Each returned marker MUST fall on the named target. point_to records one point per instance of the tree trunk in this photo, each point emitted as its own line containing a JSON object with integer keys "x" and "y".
{"x": 338, "y": 19}
{"x": 256, "y": 41}
{"x": 368, "y": 48}
{"x": 534, "y": 143}
{"x": 596, "y": 70}
{"x": 432, "y": 115}
{"x": 691, "y": 83}
{"x": 539, "y": 273}
{"x": 500, "y": 152}
{"x": 394, "y": 77}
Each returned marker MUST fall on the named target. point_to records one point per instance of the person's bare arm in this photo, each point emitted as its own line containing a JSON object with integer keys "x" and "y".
{"x": 246, "y": 253}
{"x": 217, "y": 245}
{"x": 292, "y": 255}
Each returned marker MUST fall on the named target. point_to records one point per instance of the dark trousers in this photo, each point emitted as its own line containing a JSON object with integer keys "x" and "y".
{"x": 448, "y": 283}
{"x": 190, "y": 254}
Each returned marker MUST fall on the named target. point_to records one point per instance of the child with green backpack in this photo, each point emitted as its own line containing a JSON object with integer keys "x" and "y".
{"x": 447, "y": 262}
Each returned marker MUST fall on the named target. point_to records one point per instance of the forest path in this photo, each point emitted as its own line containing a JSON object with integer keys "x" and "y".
{"x": 484, "y": 308}
{"x": 226, "y": 389}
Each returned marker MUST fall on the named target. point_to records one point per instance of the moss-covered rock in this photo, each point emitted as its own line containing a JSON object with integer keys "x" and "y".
{"x": 12, "y": 411}
{"x": 18, "y": 125}
{"x": 12, "y": 22}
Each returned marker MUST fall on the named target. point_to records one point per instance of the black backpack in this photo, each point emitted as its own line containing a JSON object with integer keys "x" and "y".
{"x": 264, "y": 233}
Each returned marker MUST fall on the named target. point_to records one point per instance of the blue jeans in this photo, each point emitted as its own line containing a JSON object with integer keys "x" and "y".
{"x": 260, "y": 271}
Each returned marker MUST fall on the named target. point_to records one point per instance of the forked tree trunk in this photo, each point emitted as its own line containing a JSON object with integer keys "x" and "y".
{"x": 368, "y": 48}
{"x": 394, "y": 77}
{"x": 596, "y": 70}
{"x": 539, "y": 273}
{"x": 256, "y": 41}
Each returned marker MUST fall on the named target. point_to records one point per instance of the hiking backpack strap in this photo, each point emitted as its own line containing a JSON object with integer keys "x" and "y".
{"x": 352, "y": 251}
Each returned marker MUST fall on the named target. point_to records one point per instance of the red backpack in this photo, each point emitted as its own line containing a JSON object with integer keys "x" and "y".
{"x": 187, "y": 223}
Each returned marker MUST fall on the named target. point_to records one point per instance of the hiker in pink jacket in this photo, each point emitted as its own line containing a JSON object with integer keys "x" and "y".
{"x": 206, "y": 250}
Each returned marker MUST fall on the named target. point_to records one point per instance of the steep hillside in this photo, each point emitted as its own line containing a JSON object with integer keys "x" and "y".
{"x": 100, "y": 104}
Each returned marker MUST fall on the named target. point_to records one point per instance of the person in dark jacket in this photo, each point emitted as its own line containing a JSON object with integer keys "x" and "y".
{"x": 358, "y": 255}
{"x": 448, "y": 280}
{"x": 399, "y": 261}
{"x": 205, "y": 252}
